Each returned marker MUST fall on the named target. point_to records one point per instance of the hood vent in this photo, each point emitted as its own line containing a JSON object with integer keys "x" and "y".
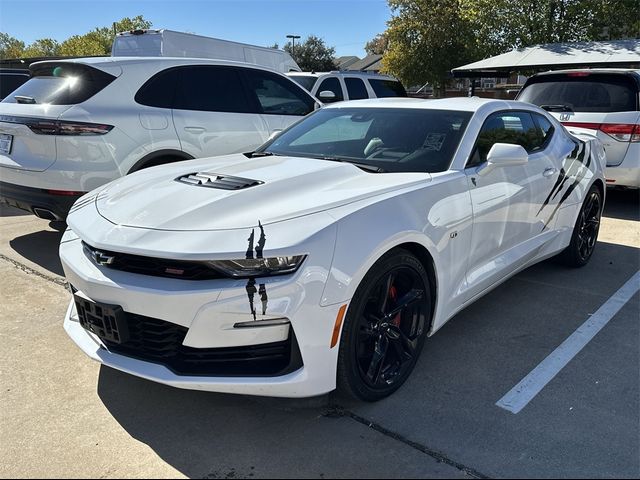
{"x": 213, "y": 180}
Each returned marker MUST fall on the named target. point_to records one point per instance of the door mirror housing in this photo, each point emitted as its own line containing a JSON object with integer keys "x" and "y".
{"x": 327, "y": 96}
{"x": 504, "y": 155}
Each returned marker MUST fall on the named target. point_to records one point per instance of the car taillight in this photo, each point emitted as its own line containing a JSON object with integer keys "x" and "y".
{"x": 62, "y": 127}
{"x": 623, "y": 132}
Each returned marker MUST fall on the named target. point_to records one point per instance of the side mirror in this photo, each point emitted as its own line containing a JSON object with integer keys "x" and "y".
{"x": 504, "y": 155}
{"x": 327, "y": 96}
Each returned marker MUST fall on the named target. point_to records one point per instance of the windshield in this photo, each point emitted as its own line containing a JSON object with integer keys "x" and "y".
{"x": 304, "y": 81}
{"x": 391, "y": 139}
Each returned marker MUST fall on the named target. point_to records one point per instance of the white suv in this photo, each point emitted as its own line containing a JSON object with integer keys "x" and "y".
{"x": 78, "y": 124}
{"x": 345, "y": 85}
{"x": 605, "y": 101}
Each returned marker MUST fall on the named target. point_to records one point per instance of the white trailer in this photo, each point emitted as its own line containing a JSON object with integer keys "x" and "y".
{"x": 169, "y": 43}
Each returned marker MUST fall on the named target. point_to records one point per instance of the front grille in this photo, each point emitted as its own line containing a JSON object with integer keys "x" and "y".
{"x": 157, "y": 267}
{"x": 157, "y": 341}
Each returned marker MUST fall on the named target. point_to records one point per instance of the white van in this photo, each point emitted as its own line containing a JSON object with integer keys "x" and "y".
{"x": 168, "y": 43}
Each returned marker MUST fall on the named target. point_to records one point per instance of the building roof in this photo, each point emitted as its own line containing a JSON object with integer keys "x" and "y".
{"x": 554, "y": 55}
{"x": 365, "y": 62}
{"x": 346, "y": 61}
{"x": 376, "y": 67}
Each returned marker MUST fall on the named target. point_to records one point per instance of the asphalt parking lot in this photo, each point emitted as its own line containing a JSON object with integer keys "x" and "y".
{"x": 63, "y": 415}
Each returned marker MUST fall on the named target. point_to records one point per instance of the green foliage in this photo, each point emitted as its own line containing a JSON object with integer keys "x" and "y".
{"x": 95, "y": 42}
{"x": 377, "y": 45}
{"x": 10, "y": 47}
{"x": 427, "y": 38}
{"x": 312, "y": 55}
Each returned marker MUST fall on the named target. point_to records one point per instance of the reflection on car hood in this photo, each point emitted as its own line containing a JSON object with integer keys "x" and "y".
{"x": 277, "y": 188}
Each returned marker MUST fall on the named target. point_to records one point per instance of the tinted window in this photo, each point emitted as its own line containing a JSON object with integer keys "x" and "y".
{"x": 585, "y": 93}
{"x": 160, "y": 90}
{"x": 211, "y": 89}
{"x": 356, "y": 88}
{"x": 393, "y": 139}
{"x": 277, "y": 95}
{"x": 506, "y": 127}
{"x": 304, "y": 81}
{"x": 387, "y": 88}
{"x": 59, "y": 83}
{"x": 10, "y": 81}
{"x": 333, "y": 85}
{"x": 545, "y": 127}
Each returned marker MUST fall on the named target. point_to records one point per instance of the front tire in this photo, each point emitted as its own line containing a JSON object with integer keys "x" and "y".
{"x": 385, "y": 327}
{"x": 585, "y": 231}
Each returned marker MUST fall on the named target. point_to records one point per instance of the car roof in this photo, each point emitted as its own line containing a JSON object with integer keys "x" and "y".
{"x": 590, "y": 70}
{"x": 353, "y": 73}
{"x": 168, "y": 61}
{"x": 468, "y": 104}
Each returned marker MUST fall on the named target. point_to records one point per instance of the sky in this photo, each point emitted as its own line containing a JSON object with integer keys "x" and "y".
{"x": 344, "y": 24}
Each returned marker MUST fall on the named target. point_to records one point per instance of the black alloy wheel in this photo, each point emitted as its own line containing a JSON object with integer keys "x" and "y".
{"x": 585, "y": 232}
{"x": 385, "y": 327}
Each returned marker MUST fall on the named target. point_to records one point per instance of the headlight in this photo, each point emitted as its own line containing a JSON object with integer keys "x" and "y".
{"x": 258, "y": 267}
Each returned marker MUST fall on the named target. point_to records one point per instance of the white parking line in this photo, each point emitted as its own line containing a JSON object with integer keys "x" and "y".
{"x": 520, "y": 395}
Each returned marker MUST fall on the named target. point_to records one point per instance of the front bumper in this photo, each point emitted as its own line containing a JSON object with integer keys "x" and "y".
{"x": 208, "y": 311}
{"x": 37, "y": 201}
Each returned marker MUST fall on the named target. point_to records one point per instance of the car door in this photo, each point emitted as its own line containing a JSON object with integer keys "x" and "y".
{"x": 279, "y": 99}
{"x": 213, "y": 114}
{"x": 506, "y": 200}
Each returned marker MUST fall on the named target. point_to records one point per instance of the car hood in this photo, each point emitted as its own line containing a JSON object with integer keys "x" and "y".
{"x": 277, "y": 188}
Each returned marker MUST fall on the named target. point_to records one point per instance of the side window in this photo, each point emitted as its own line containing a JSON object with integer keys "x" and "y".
{"x": 159, "y": 90}
{"x": 333, "y": 85}
{"x": 546, "y": 128}
{"x": 506, "y": 127}
{"x": 277, "y": 95}
{"x": 356, "y": 88}
{"x": 211, "y": 89}
{"x": 387, "y": 88}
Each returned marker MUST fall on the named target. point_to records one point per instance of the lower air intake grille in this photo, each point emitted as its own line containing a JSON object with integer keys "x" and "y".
{"x": 157, "y": 341}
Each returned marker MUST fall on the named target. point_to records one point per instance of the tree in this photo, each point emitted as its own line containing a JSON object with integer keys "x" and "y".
{"x": 312, "y": 55}
{"x": 377, "y": 45}
{"x": 10, "y": 47}
{"x": 427, "y": 38}
{"x": 43, "y": 47}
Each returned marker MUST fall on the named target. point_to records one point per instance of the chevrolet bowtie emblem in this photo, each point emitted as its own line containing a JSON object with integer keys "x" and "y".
{"x": 103, "y": 259}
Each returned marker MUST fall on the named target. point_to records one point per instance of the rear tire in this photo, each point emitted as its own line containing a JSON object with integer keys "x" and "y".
{"x": 385, "y": 327}
{"x": 585, "y": 231}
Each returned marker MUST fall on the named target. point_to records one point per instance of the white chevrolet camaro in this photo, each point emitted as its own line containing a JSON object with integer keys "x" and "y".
{"x": 325, "y": 258}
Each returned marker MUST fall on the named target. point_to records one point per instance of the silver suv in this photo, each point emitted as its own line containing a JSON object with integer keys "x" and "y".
{"x": 345, "y": 85}
{"x": 605, "y": 101}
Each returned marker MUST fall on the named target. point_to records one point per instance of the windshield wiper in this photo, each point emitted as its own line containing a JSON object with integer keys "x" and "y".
{"x": 557, "y": 108}
{"x": 258, "y": 154}
{"x": 24, "y": 99}
{"x": 363, "y": 166}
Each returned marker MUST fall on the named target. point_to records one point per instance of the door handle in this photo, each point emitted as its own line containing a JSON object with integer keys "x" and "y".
{"x": 194, "y": 129}
{"x": 549, "y": 172}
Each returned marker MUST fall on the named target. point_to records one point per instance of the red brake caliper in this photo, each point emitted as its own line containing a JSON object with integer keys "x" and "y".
{"x": 393, "y": 294}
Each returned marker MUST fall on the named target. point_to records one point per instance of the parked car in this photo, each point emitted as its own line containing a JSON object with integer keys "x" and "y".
{"x": 329, "y": 255}
{"x": 345, "y": 85}
{"x": 78, "y": 124}
{"x": 169, "y": 43}
{"x": 10, "y": 79}
{"x": 605, "y": 101}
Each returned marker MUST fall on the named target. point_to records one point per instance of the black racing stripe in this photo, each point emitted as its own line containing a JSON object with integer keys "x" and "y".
{"x": 560, "y": 179}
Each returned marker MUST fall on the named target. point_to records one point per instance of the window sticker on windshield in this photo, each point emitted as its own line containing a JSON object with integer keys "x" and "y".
{"x": 434, "y": 141}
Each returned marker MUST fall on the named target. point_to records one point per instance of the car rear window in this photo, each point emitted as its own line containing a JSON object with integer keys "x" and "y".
{"x": 387, "y": 88}
{"x": 58, "y": 83}
{"x": 582, "y": 92}
{"x": 11, "y": 81}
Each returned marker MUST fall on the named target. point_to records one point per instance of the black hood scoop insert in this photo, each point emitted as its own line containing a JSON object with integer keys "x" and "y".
{"x": 214, "y": 180}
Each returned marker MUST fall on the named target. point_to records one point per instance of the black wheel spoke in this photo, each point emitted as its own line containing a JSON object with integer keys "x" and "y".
{"x": 377, "y": 361}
